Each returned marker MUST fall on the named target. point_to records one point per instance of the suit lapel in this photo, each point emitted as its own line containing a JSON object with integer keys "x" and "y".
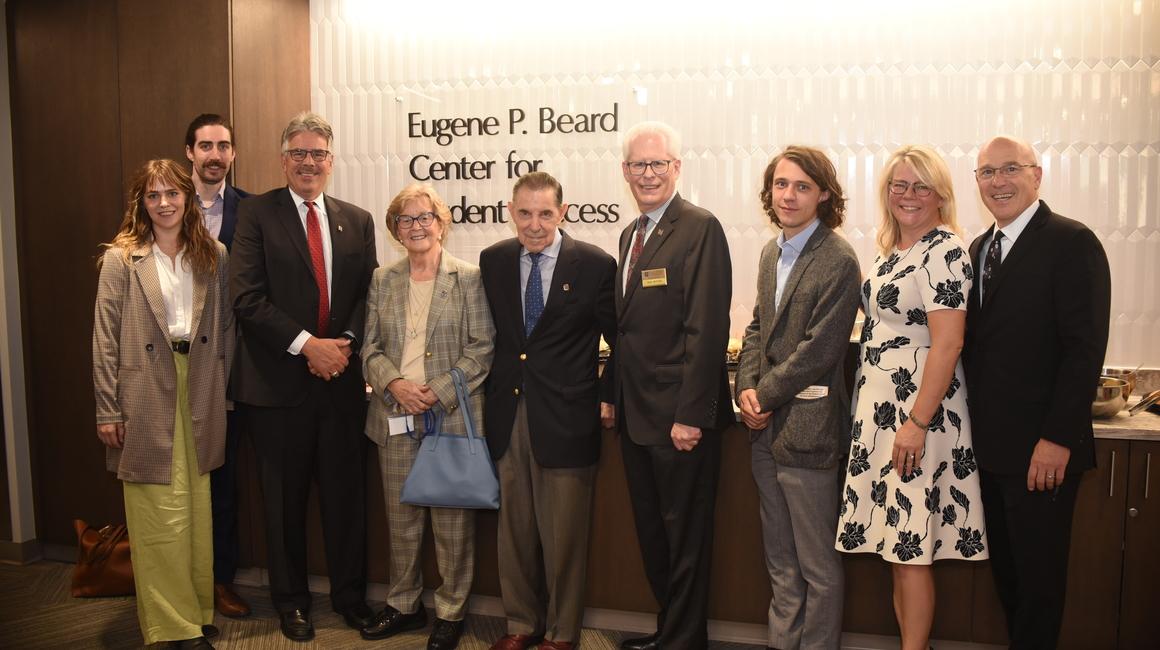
{"x": 444, "y": 282}
{"x": 151, "y": 285}
{"x": 1026, "y": 243}
{"x": 288, "y": 217}
{"x": 339, "y": 231}
{"x": 199, "y": 290}
{"x": 398, "y": 285}
{"x": 975, "y": 249}
{"x": 509, "y": 273}
{"x": 663, "y": 230}
{"x": 229, "y": 217}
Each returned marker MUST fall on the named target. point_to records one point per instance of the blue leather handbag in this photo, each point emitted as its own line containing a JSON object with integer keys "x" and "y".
{"x": 452, "y": 471}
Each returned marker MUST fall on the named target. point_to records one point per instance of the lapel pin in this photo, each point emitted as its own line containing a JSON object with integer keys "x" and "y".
{"x": 567, "y": 287}
{"x": 339, "y": 227}
{"x": 660, "y": 231}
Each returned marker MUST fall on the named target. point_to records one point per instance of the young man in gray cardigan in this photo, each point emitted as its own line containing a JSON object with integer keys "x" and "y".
{"x": 792, "y": 394}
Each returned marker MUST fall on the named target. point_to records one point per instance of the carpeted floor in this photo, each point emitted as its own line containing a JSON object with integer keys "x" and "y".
{"x": 37, "y": 611}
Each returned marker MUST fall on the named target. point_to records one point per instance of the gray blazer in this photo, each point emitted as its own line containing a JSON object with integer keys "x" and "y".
{"x": 134, "y": 378}
{"x": 803, "y": 344}
{"x": 459, "y": 334}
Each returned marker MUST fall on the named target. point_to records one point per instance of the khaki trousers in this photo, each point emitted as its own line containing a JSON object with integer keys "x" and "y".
{"x": 544, "y": 519}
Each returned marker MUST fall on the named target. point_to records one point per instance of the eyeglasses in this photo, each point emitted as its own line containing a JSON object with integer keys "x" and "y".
{"x": 658, "y": 167}
{"x": 424, "y": 219}
{"x": 1006, "y": 171}
{"x": 298, "y": 155}
{"x": 900, "y": 187}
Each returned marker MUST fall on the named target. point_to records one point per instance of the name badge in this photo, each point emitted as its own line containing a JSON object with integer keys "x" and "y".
{"x": 654, "y": 278}
{"x": 401, "y": 424}
{"x": 814, "y": 392}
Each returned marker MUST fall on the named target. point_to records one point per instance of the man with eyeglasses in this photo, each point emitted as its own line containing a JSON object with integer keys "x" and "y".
{"x": 673, "y": 291}
{"x": 209, "y": 146}
{"x": 1037, "y": 329}
{"x": 551, "y": 299}
{"x": 299, "y": 271}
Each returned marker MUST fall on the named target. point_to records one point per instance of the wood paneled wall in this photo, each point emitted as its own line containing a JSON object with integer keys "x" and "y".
{"x": 98, "y": 88}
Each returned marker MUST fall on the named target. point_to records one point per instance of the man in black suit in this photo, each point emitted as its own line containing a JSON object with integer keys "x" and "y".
{"x": 209, "y": 146}
{"x": 551, "y": 298}
{"x": 674, "y": 287}
{"x": 1037, "y": 329}
{"x": 299, "y": 272}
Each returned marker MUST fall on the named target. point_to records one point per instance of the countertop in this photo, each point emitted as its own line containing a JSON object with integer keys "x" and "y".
{"x": 1145, "y": 425}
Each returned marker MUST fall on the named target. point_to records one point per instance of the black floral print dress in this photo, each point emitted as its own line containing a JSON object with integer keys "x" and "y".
{"x": 935, "y": 513}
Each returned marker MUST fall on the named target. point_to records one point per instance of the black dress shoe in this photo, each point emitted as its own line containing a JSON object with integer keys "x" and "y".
{"x": 391, "y": 621}
{"x": 357, "y": 616}
{"x": 210, "y": 631}
{"x": 296, "y": 625}
{"x": 445, "y": 635}
{"x": 650, "y": 642}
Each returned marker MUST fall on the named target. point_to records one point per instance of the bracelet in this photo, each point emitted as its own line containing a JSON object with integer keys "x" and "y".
{"x": 919, "y": 423}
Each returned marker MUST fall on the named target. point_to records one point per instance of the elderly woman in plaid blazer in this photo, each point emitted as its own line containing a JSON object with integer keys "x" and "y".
{"x": 426, "y": 314}
{"x": 163, "y": 338}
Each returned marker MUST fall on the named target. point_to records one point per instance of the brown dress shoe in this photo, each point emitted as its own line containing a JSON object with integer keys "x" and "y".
{"x": 516, "y": 642}
{"x": 228, "y": 603}
{"x": 556, "y": 645}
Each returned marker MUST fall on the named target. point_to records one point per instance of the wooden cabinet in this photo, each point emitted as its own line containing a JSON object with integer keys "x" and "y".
{"x": 1140, "y": 593}
{"x": 1113, "y": 583}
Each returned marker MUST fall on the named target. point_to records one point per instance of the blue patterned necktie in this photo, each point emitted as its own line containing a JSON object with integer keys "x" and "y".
{"x": 533, "y": 296}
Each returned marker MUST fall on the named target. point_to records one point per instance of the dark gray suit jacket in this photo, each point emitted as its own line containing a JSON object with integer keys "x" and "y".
{"x": 803, "y": 344}
{"x": 670, "y": 342}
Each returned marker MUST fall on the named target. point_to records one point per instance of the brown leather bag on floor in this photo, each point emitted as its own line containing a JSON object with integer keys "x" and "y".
{"x": 103, "y": 566}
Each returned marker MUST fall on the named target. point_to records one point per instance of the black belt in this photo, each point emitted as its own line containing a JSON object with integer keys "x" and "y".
{"x": 180, "y": 347}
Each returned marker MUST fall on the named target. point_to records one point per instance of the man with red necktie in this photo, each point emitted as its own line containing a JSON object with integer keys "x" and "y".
{"x": 300, "y": 266}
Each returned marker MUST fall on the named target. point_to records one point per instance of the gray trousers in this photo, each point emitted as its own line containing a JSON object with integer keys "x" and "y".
{"x": 544, "y": 518}
{"x": 799, "y": 521}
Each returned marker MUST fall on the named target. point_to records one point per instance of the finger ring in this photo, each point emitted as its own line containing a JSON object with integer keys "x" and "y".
{"x": 1051, "y": 476}
{"x": 334, "y": 375}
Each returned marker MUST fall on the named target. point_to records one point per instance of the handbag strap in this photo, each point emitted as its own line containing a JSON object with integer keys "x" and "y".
{"x": 461, "y": 393}
{"x": 109, "y": 537}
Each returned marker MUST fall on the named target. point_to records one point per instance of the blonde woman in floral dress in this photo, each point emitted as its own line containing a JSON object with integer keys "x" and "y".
{"x": 912, "y": 484}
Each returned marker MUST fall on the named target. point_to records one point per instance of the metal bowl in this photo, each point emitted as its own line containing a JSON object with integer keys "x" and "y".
{"x": 1110, "y": 398}
{"x": 1125, "y": 374}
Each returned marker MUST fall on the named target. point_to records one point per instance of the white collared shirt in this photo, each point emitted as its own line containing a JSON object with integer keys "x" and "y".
{"x": 176, "y": 281}
{"x": 1010, "y": 232}
{"x": 790, "y": 251}
{"x": 654, "y": 218}
{"x": 324, "y": 225}
{"x": 548, "y": 258}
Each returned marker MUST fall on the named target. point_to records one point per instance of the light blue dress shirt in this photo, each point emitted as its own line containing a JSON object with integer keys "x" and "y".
{"x": 791, "y": 250}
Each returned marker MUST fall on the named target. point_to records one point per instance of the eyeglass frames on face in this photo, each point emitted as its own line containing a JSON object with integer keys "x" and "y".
{"x": 1006, "y": 171}
{"x": 405, "y": 221}
{"x": 298, "y": 155}
{"x": 899, "y": 188}
{"x": 658, "y": 167}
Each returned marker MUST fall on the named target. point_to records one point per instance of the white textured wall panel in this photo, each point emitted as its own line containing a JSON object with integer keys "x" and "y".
{"x": 1080, "y": 79}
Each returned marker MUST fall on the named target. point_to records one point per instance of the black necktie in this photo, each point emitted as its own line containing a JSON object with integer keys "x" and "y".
{"x": 991, "y": 262}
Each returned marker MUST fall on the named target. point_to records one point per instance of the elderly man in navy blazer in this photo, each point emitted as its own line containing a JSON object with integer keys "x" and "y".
{"x": 209, "y": 146}
{"x": 1037, "y": 330}
{"x": 551, "y": 299}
